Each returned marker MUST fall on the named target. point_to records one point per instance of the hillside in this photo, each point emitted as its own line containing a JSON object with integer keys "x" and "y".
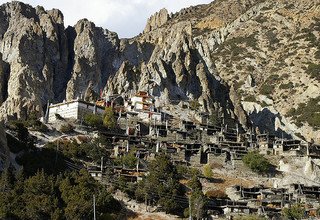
{"x": 256, "y": 61}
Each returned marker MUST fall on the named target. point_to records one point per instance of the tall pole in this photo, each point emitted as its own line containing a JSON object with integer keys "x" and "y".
{"x": 57, "y": 148}
{"x": 190, "y": 211}
{"x": 101, "y": 166}
{"x": 94, "y": 207}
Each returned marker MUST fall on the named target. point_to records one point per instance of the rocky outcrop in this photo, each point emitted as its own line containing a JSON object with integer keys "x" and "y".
{"x": 222, "y": 55}
{"x": 94, "y": 50}
{"x": 34, "y": 45}
{"x": 157, "y": 20}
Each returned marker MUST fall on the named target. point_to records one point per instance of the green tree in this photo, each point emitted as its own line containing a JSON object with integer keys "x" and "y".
{"x": 207, "y": 171}
{"x": 41, "y": 202}
{"x": 257, "y": 162}
{"x": 214, "y": 118}
{"x": 36, "y": 159}
{"x": 77, "y": 190}
{"x": 6, "y": 188}
{"x": 109, "y": 119}
{"x": 162, "y": 184}
{"x": 295, "y": 212}
{"x": 76, "y": 193}
{"x": 66, "y": 196}
{"x": 93, "y": 120}
{"x": 128, "y": 160}
{"x": 106, "y": 203}
{"x": 197, "y": 198}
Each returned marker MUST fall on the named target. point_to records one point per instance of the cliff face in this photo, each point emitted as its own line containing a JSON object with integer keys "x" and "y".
{"x": 94, "y": 51}
{"x": 256, "y": 61}
{"x": 33, "y": 45}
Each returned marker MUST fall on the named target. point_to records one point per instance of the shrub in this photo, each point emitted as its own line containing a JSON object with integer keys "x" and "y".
{"x": 256, "y": 162}
{"x": 109, "y": 119}
{"x": 214, "y": 118}
{"x": 267, "y": 89}
{"x": 66, "y": 128}
{"x": 250, "y": 98}
{"x": 287, "y": 86}
{"x": 307, "y": 112}
{"x": 272, "y": 38}
{"x": 186, "y": 172}
{"x": 296, "y": 211}
{"x": 36, "y": 125}
{"x": 20, "y": 128}
{"x": 128, "y": 160}
{"x": 207, "y": 171}
{"x": 237, "y": 84}
{"x": 93, "y": 120}
{"x": 314, "y": 71}
{"x": 194, "y": 105}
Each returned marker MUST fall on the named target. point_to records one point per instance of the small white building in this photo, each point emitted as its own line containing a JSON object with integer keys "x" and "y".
{"x": 75, "y": 109}
{"x": 141, "y": 101}
{"x": 144, "y": 105}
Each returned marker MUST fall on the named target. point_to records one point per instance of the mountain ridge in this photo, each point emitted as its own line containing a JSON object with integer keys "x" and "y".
{"x": 227, "y": 55}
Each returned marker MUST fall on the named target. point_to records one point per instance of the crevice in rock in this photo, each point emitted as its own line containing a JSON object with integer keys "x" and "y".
{"x": 71, "y": 36}
{"x": 4, "y": 86}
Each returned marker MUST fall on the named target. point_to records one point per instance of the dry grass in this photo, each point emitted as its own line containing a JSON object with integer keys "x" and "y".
{"x": 228, "y": 181}
{"x": 151, "y": 216}
{"x": 213, "y": 23}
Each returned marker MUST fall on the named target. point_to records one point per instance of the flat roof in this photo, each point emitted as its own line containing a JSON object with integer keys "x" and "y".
{"x": 74, "y": 101}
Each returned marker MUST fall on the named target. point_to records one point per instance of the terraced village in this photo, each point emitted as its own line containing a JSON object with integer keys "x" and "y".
{"x": 202, "y": 164}
{"x": 211, "y": 112}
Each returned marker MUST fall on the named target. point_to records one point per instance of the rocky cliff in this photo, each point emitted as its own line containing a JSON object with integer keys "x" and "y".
{"x": 33, "y": 46}
{"x": 256, "y": 61}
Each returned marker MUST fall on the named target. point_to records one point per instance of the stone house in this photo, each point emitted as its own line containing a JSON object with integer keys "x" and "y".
{"x": 75, "y": 109}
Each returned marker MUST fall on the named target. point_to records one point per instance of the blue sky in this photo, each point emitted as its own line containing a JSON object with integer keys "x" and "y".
{"x": 126, "y": 17}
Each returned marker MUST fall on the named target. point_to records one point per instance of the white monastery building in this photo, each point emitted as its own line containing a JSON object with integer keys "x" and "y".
{"x": 75, "y": 109}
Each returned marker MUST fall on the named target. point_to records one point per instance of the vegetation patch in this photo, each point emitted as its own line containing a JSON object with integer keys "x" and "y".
{"x": 109, "y": 119}
{"x": 194, "y": 105}
{"x": 307, "y": 112}
{"x": 267, "y": 89}
{"x": 66, "y": 128}
{"x": 93, "y": 120}
{"x": 268, "y": 86}
{"x": 236, "y": 45}
{"x": 43, "y": 196}
{"x": 216, "y": 194}
{"x": 161, "y": 186}
{"x": 128, "y": 160}
{"x": 257, "y": 162}
{"x": 272, "y": 38}
{"x": 91, "y": 151}
{"x": 296, "y": 211}
{"x": 314, "y": 71}
{"x": 287, "y": 86}
{"x": 215, "y": 118}
{"x": 237, "y": 84}
{"x": 207, "y": 171}
{"x": 250, "y": 98}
